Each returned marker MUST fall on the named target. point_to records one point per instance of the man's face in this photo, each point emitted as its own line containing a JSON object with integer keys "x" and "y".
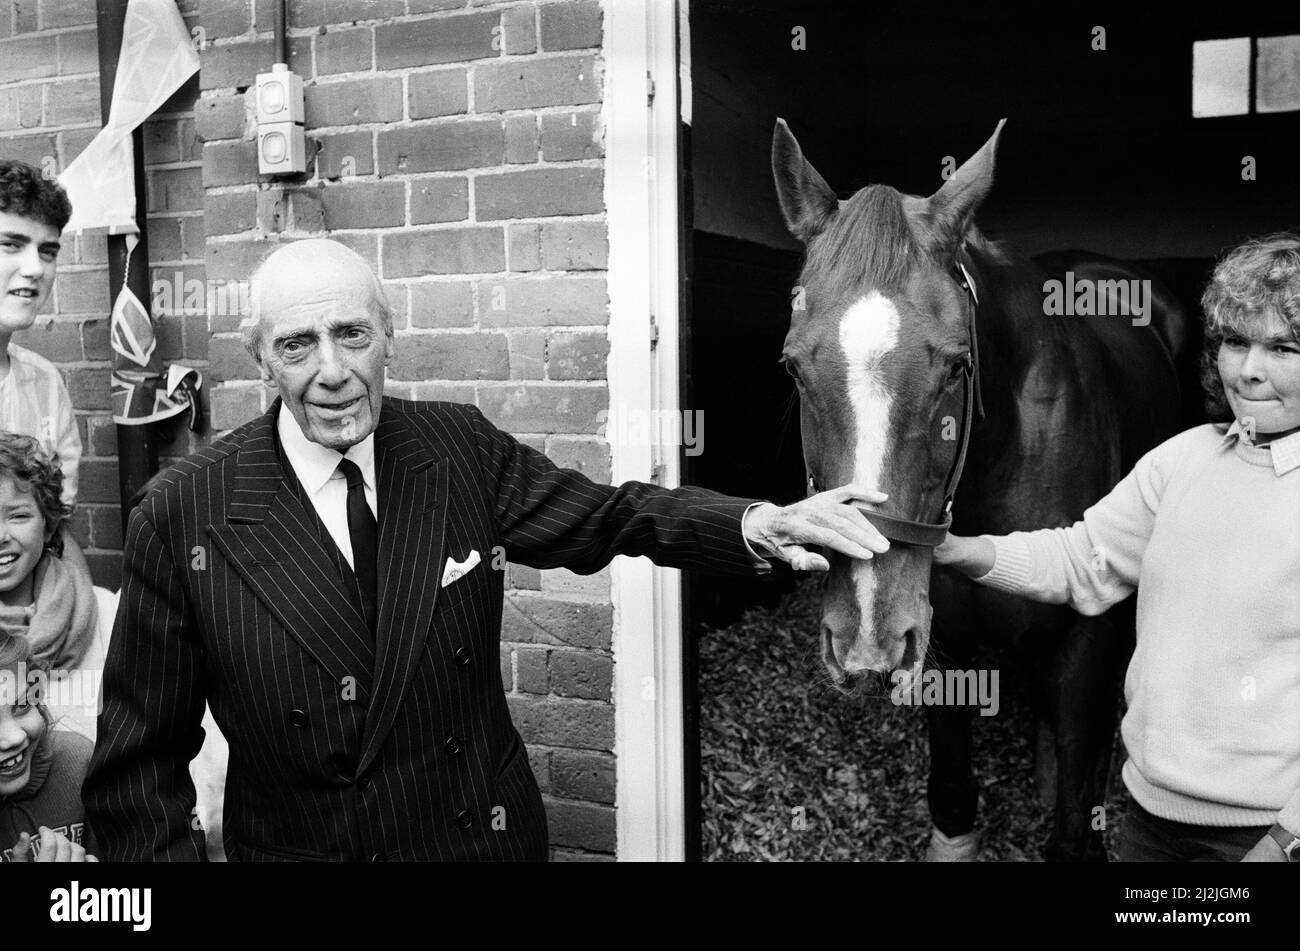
{"x": 326, "y": 352}
{"x": 28, "y": 250}
{"x": 1261, "y": 377}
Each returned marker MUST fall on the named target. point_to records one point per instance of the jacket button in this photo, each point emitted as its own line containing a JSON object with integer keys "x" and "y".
{"x": 464, "y": 818}
{"x": 365, "y": 782}
{"x": 461, "y": 656}
{"x": 452, "y": 745}
{"x": 298, "y": 718}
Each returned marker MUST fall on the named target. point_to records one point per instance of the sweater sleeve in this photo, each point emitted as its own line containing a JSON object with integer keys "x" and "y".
{"x": 1289, "y": 817}
{"x": 1094, "y": 563}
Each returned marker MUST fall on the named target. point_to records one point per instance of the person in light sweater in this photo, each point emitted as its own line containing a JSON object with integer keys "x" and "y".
{"x": 1207, "y": 529}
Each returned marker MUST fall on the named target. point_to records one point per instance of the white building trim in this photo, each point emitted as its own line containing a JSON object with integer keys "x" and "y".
{"x": 641, "y": 194}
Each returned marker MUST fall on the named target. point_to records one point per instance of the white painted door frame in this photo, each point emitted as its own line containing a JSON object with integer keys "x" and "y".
{"x": 641, "y": 199}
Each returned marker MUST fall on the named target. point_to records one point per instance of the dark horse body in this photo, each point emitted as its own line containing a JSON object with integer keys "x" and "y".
{"x": 1069, "y": 404}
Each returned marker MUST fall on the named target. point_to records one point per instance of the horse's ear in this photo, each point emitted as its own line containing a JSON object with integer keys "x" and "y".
{"x": 807, "y": 202}
{"x": 953, "y": 206}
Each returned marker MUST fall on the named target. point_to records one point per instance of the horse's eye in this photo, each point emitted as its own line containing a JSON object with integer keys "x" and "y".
{"x": 958, "y": 368}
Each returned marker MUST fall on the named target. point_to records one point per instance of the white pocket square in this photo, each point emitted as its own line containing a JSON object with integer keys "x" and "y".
{"x": 455, "y": 570}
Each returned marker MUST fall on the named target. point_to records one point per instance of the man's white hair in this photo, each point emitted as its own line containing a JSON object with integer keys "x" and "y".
{"x": 250, "y": 329}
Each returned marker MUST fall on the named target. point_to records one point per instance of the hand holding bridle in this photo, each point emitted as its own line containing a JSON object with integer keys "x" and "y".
{"x": 829, "y": 519}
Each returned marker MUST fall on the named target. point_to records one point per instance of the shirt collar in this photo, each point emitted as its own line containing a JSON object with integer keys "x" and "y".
{"x": 1285, "y": 452}
{"x": 315, "y": 464}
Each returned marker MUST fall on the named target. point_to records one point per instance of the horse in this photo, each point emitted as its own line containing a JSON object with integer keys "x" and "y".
{"x": 930, "y": 365}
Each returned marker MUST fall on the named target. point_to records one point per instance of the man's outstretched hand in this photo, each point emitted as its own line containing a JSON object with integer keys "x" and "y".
{"x": 829, "y": 519}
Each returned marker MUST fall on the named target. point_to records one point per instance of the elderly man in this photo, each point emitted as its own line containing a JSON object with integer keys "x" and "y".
{"x": 321, "y": 578}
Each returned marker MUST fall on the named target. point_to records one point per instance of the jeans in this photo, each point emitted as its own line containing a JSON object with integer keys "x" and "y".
{"x": 1147, "y": 838}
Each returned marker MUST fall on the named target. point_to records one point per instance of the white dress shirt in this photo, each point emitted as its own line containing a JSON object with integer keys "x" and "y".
{"x": 317, "y": 469}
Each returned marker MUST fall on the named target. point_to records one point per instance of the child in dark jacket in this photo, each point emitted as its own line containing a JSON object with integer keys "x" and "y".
{"x": 41, "y": 769}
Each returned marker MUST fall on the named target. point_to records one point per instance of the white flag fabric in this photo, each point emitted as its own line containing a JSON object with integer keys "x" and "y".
{"x": 156, "y": 59}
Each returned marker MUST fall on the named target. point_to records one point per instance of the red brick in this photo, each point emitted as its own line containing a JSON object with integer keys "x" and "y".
{"x": 581, "y": 825}
{"x": 569, "y": 137}
{"x": 272, "y": 210}
{"x": 225, "y": 18}
{"x": 20, "y": 106}
{"x": 105, "y": 569}
{"x": 235, "y": 64}
{"x": 220, "y": 117}
{"x": 533, "y": 408}
{"x": 543, "y": 620}
{"x": 444, "y": 40}
{"x": 443, "y": 392}
{"x": 588, "y": 455}
{"x": 233, "y": 405}
{"x": 439, "y": 92}
{"x": 445, "y": 251}
{"x": 519, "y": 29}
{"x": 527, "y": 84}
{"x": 434, "y": 6}
{"x": 236, "y": 260}
{"x": 577, "y": 356}
{"x": 539, "y": 761}
{"x": 25, "y": 16}
{"x": 97, "y": 478}
{"x": 193, "y": 239}
{"x": 164, "y": 239}
{"x": 436, "y": 200}
{"x": 32, "y": 149}
{"x": 72, "y": 102}
{"x": 451, "y": 356}
{"x": 62, "y": 13}
{"x": 231, "y": 162}
{"x": 183, "y": 99}
{"x": 571, "y": 26}
{"x": 103, "y": 436}
{"x": 539, "y": 193}
{"x": 106, "y": 527}
{"x": 521, "y": 576}
{"x": 161, "y": 143}
{"x": 523, "y": 248}
{"x": 72, "y": 142}
{"x": 228, "y": 360}
{"x": 364, "y": 205}
{"x": 82, "y": 292}
{"x": 521, "y": 139}
{"x": 578, "y": 724}
{"x": 574, "y": 246}
{"x": 346, "y": 154}
{"x": 353, "y": 102}
{"x": 56, "y": 340}
{"x": 569, "y": 300}
{"x": 175, "y": 189}
{"x": 345, "y": 51}
{"x": 329, "y": 12}
{"x": 230, "y": 213}
{"x": 581, "y": 674}
{"x": 92, "y": 246}
{"x": 78, "y": 52}
{"x": 27, "y": 57}
{"x": 576, "y": 774}
{"x": 442, "y": 304}
{"x": 366, "y": 245}
{"x": 530, "y": 670}
{"x": 191, "y": 144}
{"x": 527, "y": 355}
{"x": 79, "y": 524}
{"x": 442, "y": 146}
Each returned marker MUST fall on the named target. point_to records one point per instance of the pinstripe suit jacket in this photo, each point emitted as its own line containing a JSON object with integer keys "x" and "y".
{"x": 345, "y": 745}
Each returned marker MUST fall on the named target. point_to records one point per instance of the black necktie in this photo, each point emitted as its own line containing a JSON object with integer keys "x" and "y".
{"x": 365, "y": 541}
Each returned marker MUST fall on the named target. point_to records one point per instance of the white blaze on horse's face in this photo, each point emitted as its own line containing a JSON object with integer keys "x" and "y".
{"x": 868, "y": 331}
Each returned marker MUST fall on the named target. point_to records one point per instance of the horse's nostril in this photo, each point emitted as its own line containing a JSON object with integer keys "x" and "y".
{"x": 911, "y": 649}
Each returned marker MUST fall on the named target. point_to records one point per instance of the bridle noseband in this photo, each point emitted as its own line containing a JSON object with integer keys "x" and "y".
{"x": 929, "y": 534}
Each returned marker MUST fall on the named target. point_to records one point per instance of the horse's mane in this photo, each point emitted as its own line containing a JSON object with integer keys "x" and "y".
{"x": 869, "y": 241}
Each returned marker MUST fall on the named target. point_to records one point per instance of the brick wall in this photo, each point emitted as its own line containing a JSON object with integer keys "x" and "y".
{"x": 49, "y": 111}
{"x": 458, "y": 147}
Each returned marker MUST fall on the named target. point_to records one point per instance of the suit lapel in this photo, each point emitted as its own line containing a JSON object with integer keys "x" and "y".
{"x": 412, "y": 527}
{"x": 272, "y": 540}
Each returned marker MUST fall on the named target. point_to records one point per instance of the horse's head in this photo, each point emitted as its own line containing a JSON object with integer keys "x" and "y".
{"x": 881, "y": 347}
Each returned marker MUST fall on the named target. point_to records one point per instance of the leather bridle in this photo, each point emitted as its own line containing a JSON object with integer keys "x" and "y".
{"x": 930, "y": 534}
